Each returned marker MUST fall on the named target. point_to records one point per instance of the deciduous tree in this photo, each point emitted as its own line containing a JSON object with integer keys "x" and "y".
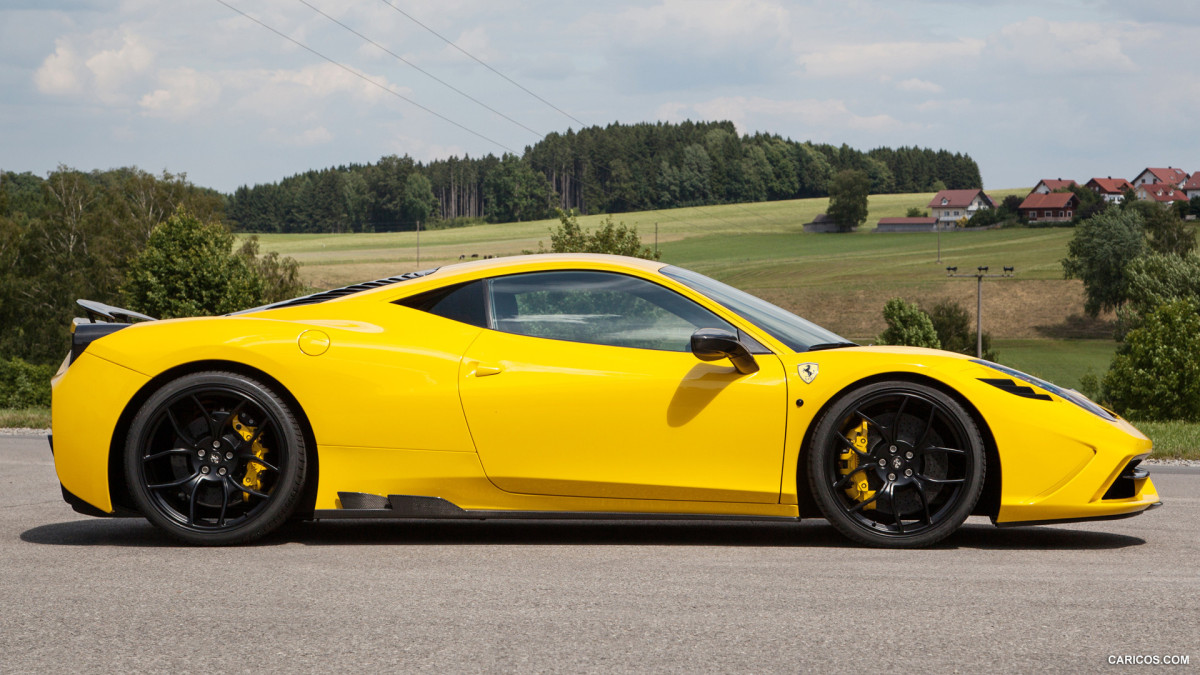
{"x": 848, "y": 199}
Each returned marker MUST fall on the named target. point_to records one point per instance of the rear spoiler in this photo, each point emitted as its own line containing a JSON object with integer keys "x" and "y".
{"x": 101, "y": 320}
{"x": 109, "y": 314}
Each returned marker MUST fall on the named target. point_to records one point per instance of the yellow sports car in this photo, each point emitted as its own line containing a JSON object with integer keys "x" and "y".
{"x": 565, "y": 386}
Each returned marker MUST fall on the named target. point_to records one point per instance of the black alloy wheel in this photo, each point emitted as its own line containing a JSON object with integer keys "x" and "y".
{"x": 215, "y": 458}
{"x": 896, "y": 464}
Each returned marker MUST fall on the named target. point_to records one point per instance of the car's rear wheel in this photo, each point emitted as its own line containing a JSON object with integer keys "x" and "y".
{"x": 896, "y": 464}
{"x": 215, "y": 458}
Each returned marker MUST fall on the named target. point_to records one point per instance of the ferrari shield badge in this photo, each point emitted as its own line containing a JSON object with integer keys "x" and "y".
{"x": 808, "y": 372}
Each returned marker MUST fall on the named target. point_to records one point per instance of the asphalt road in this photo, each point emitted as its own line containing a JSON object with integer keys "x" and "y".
{"x": 79, "y": 594}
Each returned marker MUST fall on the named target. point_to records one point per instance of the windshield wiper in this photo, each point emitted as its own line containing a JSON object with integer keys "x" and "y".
{"x": 830, "y": 345}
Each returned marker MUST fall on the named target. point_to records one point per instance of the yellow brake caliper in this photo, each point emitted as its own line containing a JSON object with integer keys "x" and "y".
{"x": 251, "y": 480}
{"x": 859, "y": 489}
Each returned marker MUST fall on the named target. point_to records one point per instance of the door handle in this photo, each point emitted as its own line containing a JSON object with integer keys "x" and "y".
{"x": 484, "y": 369}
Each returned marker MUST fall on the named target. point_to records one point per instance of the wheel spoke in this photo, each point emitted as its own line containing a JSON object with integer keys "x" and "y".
{"x": 224, "y": 503}
{"x": 213, "y": 426}
{"x": 885, "y": 431}
{"x": 941, "y": 481}
{"x": 262, "y": 426}
{"x": 239, "y": 487}
{"x": 859, "y": 506}
{"x": 890, "y": 488}
{"x": 164, "y": 453}
{"x": 183, "y": 435}
{"x": 237, "y": 409}
{"x": 192, "y": 503}
{"x": 846, "y": 441}
{"x": 896, "y": 420}
{"x": 933, "y": 448}
{"x": 920, "y": 488}
{"x": 268, "y": 465}
{"x": 845, "y": 480}
{"x": 177, "y": 483}
{"x": 928, "y": 426}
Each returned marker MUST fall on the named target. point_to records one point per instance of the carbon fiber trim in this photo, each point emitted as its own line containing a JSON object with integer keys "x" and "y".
{"x": 1012, "y": 387}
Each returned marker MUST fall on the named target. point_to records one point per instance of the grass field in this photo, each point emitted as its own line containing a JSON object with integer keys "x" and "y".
{"x": 1062, "y": 362}
{"x": 838, "y": 280}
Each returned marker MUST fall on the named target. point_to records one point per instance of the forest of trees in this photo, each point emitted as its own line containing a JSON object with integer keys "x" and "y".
{"x": 77, "y": 234}
{"x": 613, "y": 169}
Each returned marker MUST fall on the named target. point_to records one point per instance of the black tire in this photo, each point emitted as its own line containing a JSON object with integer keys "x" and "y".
{"x": 215, "y": 458}
{"x": 911, "y": 480}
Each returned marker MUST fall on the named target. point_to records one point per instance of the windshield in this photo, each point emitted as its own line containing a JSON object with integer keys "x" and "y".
{"x": 798, "y": 334}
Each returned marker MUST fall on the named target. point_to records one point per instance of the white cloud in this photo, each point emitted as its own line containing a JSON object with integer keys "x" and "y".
{"x": 304, "y": 91}
{"x": 750, "y": 112}
{"x": 104, "y": 65}
{"x": 956, "y": 106}
{"x": 305, "y": 139}
{"x": 888, "y": 57}
{"x": 676, "y": 44}
{"x": 711, "y": 23}
{"x": 183, "y": 93}
{"x": 59, "y": 73}
{"x": 113, "y": 69}
{"x": 915, "y": 84}
{"x": 1058, "y": 48}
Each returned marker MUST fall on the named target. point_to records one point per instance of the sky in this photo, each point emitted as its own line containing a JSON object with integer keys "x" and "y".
{"x": 1031, "y": 90}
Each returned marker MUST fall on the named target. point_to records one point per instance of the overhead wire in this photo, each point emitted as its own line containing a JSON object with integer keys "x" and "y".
{"x": 422, "y": 70}
{"x": 364, "y": 78}
{"x": 527, "y": 91}
{"x": 444, "y": 118}
{"x": 482, "y": 63}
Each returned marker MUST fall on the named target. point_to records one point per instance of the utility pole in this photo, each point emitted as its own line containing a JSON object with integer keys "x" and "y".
{"x": 418, "y": 244}
{"x": 979, "y": 274}
{"x": 656, "y": 240}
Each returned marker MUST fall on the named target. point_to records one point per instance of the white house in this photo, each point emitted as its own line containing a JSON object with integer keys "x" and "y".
{"x": 1168, "y": 176}
{"x": 1047, "y": 185}
{"x": 948, "y": 206}
{"x": 1111, "y": 189}
{"x": 1192, "y": 187}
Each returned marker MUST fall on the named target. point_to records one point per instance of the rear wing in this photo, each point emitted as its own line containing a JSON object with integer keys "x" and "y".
{"x": 101, "y": 320}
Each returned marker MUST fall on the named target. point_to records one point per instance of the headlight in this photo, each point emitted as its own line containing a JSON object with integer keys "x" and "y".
{"x": 1068, "y": 394}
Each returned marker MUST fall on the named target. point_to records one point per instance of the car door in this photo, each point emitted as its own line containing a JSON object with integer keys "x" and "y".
{"x": 585, "y": 385}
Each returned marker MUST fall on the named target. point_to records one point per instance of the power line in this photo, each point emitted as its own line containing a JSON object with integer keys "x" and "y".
{"x": 443, "y": 117}
{"x": 522, "y": 88}
{"x": 480, "y": 62}
{"x": 422, "y": 70}
{"x": 364, "y": 78}
{"x": 569, "y": 174}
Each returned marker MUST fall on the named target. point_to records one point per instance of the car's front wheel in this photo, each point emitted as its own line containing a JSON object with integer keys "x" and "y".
{"x": 896, "y": 464}
{"x": 215, "y": 458}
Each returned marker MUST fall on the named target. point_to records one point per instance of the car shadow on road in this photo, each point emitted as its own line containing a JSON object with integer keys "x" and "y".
{"x": 807, "y": 534}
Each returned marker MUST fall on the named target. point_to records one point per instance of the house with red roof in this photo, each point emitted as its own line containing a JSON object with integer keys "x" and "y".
{"x": 949, "y": 206}
{"x": 1163, "y": 194}
{"x": 1054, "y": 207}
{"x": 1191, "y": 188}
{"x": 1111, "y": 189}
{"x": 1048, "y": 185}
{"x": 1168, "y": 176}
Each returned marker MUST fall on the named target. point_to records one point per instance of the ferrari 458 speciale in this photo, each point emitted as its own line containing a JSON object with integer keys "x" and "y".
{"x": 565, "y": 386}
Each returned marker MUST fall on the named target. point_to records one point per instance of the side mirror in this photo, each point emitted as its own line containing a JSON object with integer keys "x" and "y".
{"x": 714, "y": 344}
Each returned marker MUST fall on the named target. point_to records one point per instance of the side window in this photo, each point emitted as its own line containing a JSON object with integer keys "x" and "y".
{"x": 462, "y": 302}
{"x": 598, "y": 308}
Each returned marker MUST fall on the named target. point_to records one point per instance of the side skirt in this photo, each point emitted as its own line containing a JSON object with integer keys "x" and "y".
{"x": 402, "y": 507}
